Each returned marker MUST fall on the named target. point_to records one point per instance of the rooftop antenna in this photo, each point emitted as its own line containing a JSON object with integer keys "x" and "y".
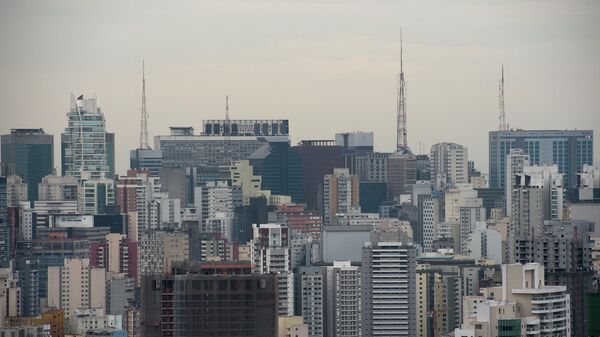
{"x": 401, "y": 142}
{"x": 144, "y": 144}
{"x": 502, "y": 118}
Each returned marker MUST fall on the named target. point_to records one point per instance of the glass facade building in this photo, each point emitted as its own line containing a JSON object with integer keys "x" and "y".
{"x": 568, "y": 149}
{"x": 28, "y": 153}
{"x": 85, "y": 147}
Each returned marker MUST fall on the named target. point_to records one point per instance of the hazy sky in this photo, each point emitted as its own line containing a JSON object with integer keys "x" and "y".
{"x": 327, "y": 66}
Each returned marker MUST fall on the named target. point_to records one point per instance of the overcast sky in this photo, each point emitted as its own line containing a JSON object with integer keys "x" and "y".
{"x": 327, "y": 66}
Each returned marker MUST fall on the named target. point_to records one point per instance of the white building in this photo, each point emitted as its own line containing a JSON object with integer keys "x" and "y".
{"x": 311, "y": 283}
{"x": 216, "y": 202}
{"x": 343, "y": 306}
{"x": 58, "y": 188}
{"x": 95, "y": 195}
{"x": 86, "y": 319}
{"x": 388, "y": 286}
{"x": 271, "y": 254}
{"x": 484, "y": 243}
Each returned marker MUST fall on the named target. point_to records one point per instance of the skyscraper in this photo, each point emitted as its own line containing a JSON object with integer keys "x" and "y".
{"x": 85, "y": 148}
{"x": 515, "y": 161}
{"x": 568, "y": 149}
{"x": 449, "y": 165}
{"x": 4, "y": 239}
{"x": 388, "y": 286}
{"x": 28, "y": 153}
{"x": 340, "y": 194}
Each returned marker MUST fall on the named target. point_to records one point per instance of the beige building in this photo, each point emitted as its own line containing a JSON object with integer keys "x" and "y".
{"x": 16, "y": 190}
{"x": 340, "y": 194}
{"x": 522, "y": 305}
{"x": 76, "y": 285}
{"x": 292, "y": 326}
{"x": 53, "y": 188}
{"x": 242, "y": 175}
{"x": 158, "y": 250}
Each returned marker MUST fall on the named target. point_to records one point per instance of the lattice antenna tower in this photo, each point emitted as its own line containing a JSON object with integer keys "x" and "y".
{"x": 502, "y": 126}
{"x": 144, "y": 144}
{"x": 401, "y": 138}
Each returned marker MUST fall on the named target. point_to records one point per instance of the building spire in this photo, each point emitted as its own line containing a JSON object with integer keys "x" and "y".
{"x": 401, "y": 134}
{"x": 502, "y": 126}
{"x": 144, "y": 144}
{"x": 226, "y": 133}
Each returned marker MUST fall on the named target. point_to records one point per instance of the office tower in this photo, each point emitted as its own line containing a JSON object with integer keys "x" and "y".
{"x": 245, "y": 216}
{"x": 84, "y": 144}
{"x": 182, "y": 148}
{"x": 388, "y": 286}
{"x": 16, "y": 191}
{"x": 135, "y": 194}
{"x": 355, "y": 145}
{"x": 522, "y": 305}
{"x": 429, "y": 217}
{"x": 584, "y": 200}
{"x": 4, "y": 238}
{"x": 423, "y": 165}
{"x": 494, "y": 200}
{"x": 237, "y": 302}
{"x": 28, "y": 153}
{"x": 146, "y": 159}
{"x": 568, "y": 149}
{"x": 271, "y": 252}
{"x": 53, "y": 188}
{"x": 216, "y": 202}
{"x": 281, "y": 168}
{"x": 159, "y": 249}
{"x": 311, "y": 285}
{"x": 340, "y": 194}
{"x": 343, "y": 242}
{"x": 343, "y": 307}
{"x": 449, "y": 165}
{"x": 110, "y": 154}
{"x": 516, "y": 160}
{"x": 371, "y": 195}
{"x": 76, "y": 285}
{"x": 373, "y": 167}
{"x": 164, "y": 212}
{"x": 401, "y": 174}
{"x": 319, "y": 157}
{"x": 96, "y": 196}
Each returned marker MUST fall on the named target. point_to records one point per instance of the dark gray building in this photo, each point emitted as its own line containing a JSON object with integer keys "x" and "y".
{"x": 146, "y": 159}
{"x": 210, "y": 299}
{"x": 4, "y": 239}
{"x": 569, "y": 149}
{"x": 28, "y": 153}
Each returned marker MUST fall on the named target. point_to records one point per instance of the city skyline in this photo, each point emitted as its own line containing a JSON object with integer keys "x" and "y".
{"x": 333, "y": 63}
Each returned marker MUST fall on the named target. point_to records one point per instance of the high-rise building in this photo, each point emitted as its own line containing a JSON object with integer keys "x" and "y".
{"x": 388, "y": 286}
{"x": 281, "y": 168}
{"x": 516, "y": 160}
{"x": 373, "y": 167}
{"x": 522, "y": 305}
{"x": 85, "y": 147}
{"x": 568, "y": 149}
{"x": 235, "y": 302}
{"x": 401, "y": 173}
{"x": 216, "y": 202}
{"x": 340, "y": 194}
{"x": 4, "y": 238}
{"x": 96, "y": 196}
{"x": 449, "y": 165}
{"x": 429, "y": 217}
{"x": 311, "y": 297}
{"x": 146, "y": 159}
{"x": 53, "y": 188}
{"x": 134, "y": 194}
{"x": 74, "y": 285}
{"x": 271, "y": 252}
{"x": 319, "y": 157}
{"x": 343, "y": 306}
{"x": 423, "y": 167}
{"x": 16, "y": 191}
{"x": 117, "y": 254}
{"x": 159, "y": 249}
{"x": 28, "y": 153}
{"x": 355, "y": 145}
